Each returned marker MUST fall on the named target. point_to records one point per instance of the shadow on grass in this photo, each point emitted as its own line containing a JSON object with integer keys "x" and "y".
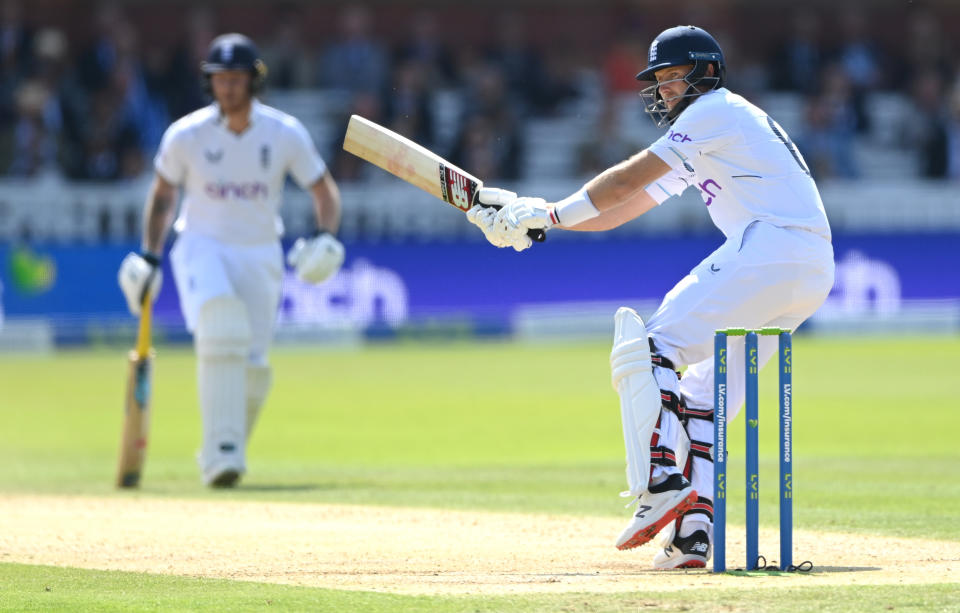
{"x": 814, "y": 570}
{"x": 843, "y": 569}
{"x": 286, "y": 487}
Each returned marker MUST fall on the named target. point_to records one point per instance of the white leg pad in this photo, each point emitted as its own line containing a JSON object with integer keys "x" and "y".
{"x": 259, "y": 379}
{"x": 639, "y": 395}
{"x": 223, "y": 343}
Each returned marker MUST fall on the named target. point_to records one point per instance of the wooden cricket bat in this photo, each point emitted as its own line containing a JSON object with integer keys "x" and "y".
{"x": 136, "y": 415}
{"x": 415, "y": 164}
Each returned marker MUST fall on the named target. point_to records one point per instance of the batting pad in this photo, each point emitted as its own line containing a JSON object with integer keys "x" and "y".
{"x": 632, "y": 377}
{"x": 259, "y": 379}
{"x": 222, "y": 342}
{"x": 672, "y": 433}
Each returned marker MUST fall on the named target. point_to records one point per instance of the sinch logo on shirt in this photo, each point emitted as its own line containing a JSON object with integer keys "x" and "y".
{"x": 228, "y": 190}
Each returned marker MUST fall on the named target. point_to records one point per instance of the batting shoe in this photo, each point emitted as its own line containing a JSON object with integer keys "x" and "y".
{"x": 657, "y": 507}
{"x": 691, "y": 551}
{"x": 221, "y": 474}
{"x": 225, "y": 478}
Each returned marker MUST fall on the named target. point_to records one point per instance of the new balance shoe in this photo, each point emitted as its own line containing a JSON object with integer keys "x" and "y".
{"x": 684, "y": 552}
{"x": 657, "y": 507}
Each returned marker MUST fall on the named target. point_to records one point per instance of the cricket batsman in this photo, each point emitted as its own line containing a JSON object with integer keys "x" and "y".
{"x": 231, "y": 159}
{"x": 774, "y": 269}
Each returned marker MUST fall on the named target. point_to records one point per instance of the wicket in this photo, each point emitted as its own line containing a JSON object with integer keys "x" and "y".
{"x": 752, "y": 445}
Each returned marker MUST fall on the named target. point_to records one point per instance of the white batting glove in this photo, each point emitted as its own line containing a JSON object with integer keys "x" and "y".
{"x": 482, "y": 214}
{"x": 316, "y": 259}
{"x": 137, "y": 274}
{"x": 523, "y": 214}
{"x": 482, "y": 217}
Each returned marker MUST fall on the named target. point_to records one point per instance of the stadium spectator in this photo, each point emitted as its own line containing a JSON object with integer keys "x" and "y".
{"x": 926, "y": 47}
{"x": 926, "y": 130}
{"x": 184, "y": 93}
{"x": 99, "y": 59}
{"x": 287, "y": 55}
{"x": 110, "y": 143}
{"x": 16, "y": 43}
{"x": 798, "y": 60}
{"x": 144, "y": 107}
{"x": 953, "y": 133}
{"x": 425, "y": 45}
{"x": 520, "y": 64}
{"x": 750, "y": 79}
{"x": 31, "y": 143}
{"x": 356, "y": 61}
{"x": 31, "y": 147}
{"x": 123, "y": 120}
{"x": 346, "y": 166}
{"x": 622, "y": 61}
{"x": 859, "y": 57}
{"x": 16, "y": 54}
{"x": 827, "y": 138}
{"x": 407, "y": 103}
{"x": 489, "y": 139}
{"x": 605, "y": 144}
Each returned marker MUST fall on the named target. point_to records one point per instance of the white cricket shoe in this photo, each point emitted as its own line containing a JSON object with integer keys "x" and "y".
{"x": 218, "y": 475}
{"x": 691, "y": 551}
{"x": 657, "y": 507}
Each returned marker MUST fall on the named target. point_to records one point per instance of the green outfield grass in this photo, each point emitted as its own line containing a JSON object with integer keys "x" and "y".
{"x": 497, "y": 426}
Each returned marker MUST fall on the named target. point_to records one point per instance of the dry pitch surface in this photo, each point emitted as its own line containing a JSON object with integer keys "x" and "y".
{"x": 413, "y": 551}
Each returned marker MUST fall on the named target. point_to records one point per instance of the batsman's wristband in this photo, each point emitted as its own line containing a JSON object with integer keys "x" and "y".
{"x": 151, "y": 258}
{"x": 574, "y": 209}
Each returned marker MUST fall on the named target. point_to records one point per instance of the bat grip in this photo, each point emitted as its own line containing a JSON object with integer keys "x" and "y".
{"x": 537, "y": 235}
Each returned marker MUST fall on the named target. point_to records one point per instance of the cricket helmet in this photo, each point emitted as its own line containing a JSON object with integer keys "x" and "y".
{"x": 234, "y": 52}
{"x": 679, "y": 46}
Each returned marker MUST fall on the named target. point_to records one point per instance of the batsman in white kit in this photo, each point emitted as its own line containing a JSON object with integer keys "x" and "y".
{"x": 775, "y": 268}
{"x": 231, "y": 159}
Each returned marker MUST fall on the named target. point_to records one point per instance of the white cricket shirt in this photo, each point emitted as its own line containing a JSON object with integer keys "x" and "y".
{"x": 233, "y": 183}
{"x": 744, "y": 164}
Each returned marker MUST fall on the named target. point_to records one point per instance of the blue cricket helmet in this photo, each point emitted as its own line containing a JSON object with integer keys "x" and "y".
{"x": 682, "y": 45}
{"x": 235, "y": 52}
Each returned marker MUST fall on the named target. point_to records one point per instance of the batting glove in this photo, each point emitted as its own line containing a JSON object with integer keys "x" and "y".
{"x": 140, "y": 277}
{"x": 523, "y": 214}
{"x": 317, "y": 258}
{"x": 482, "y": 214}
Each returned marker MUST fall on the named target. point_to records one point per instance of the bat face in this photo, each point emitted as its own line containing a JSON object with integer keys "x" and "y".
{"x": 416, "y": 165}
{"x": 407, "y": 160}
{"x": 136, "y": 421}
{"x": 136, "y": 411}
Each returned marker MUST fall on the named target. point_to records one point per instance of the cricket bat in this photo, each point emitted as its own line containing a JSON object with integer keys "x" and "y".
{"x": 416, "y": 165}
{"x": 136, "y": 414}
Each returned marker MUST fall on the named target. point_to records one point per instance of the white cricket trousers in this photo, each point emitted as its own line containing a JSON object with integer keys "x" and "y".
{"x": 772, "y": 277}
{"x": 205, "y": 268}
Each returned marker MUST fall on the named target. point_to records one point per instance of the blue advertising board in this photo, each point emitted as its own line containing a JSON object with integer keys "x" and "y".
{"x": 392, "y": 284}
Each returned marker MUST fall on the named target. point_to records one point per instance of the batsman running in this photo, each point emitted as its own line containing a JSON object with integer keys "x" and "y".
{"x": 231, "y": 158}
{"x": 774, "y": 269}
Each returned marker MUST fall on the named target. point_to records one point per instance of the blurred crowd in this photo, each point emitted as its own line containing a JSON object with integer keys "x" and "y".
{"x": 96, "y": 109}
{"x": 837, "y": 78}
